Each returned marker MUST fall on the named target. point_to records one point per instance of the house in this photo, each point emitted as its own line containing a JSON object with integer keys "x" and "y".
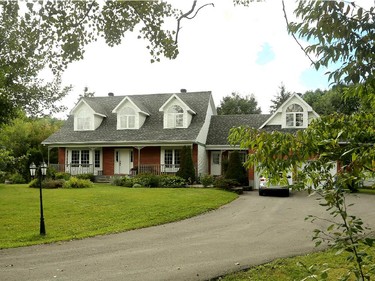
{"x": 116, "y": 135}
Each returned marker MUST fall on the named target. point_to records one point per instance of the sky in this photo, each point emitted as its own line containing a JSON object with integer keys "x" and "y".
{"x": 224, "y": 49}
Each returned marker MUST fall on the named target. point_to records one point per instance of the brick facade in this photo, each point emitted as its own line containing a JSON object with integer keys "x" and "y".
{"x": 108, "y": 161}
{"x": 61, "y": 156}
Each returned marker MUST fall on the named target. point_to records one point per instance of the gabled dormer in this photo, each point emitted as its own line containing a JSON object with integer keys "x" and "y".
{"x": 294, "y": 113}
{"x": 129, "y": 115}
{"x": 85, "y": 117}
{"x": 177, "y": 114}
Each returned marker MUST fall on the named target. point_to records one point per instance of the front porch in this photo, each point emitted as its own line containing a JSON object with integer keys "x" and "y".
{"x": 156, "y": 169}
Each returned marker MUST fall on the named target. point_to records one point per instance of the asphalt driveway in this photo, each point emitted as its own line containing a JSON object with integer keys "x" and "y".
{"x": 251, "y": 230}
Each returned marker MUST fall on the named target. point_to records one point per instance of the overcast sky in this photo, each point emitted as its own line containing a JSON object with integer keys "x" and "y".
{"x": 224, "y": 49}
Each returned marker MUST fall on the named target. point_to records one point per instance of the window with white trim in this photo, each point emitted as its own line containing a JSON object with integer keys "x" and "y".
{"x": 175, "y": 117}
{"x": 80, "y": 158}
{"x": 294, "y": 116}
{"x": 75, "y": 158}
{"x": 97, "y": 159}
{"x": 84, "y": 120}
{"x": 172, "y": 158}
{"x": 126, "y": 118}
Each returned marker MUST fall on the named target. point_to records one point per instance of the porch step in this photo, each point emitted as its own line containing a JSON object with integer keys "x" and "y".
{"x": 103, "y": 179}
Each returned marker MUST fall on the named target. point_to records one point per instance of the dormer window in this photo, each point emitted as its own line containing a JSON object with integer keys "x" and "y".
{"x": 84, "y": 120}
{"x": 126, "y": 116}
{"x": 175, "y": 117}
{"x": 294, "y": 115}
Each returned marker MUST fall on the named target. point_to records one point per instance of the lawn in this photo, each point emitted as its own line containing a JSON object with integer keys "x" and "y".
{"x": 289, "y": 269}
{"x": 79, "y": 213}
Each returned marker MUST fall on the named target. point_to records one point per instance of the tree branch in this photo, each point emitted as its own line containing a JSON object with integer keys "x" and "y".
{"x": 186, "y": 15}
{"x": 85, "y": 15}
{"x": 287, "y": 24}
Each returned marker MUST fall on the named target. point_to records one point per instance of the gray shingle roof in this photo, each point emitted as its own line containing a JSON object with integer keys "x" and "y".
{"x": 152, "y": 129}
{"x": 221, "y": 124}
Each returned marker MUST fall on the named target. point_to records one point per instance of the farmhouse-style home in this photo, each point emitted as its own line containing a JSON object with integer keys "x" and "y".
{"x": 121, "y": 135}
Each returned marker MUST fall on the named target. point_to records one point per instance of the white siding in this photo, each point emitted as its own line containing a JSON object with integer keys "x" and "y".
{"x": 202, "y": 160}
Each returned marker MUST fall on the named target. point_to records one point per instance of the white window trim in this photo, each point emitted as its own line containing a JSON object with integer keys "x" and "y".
{"x": 173, "y": 117}
{"x": 83, "y": 121}
{"x": 294, "y": 115}
{"x": 174, "y": 167}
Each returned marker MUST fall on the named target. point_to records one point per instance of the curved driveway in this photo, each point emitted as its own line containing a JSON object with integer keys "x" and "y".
{"x": 251, "y": 230}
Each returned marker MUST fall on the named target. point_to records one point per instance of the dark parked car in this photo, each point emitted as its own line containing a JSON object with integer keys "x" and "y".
{"x": 265, "y": 188}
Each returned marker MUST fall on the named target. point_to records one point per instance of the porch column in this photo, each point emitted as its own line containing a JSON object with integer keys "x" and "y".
{"x": 91, "y": 159}
{"x": 48, "y": 152}
{"x": 139, "y": 157}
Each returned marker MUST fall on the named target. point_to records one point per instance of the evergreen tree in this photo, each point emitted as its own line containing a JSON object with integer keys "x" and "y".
{"x": 280, "y": 98}
{"x": 236, "y": 170}
{"x": 186, "y": 170}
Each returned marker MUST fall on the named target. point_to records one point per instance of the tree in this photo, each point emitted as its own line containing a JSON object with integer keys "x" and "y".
{"x": 21, "y": 139}
{"x": 280, "y": 98}
{"x": 235, "y": 104}
{"x": 341, "y": 33}
{"x": 236, "y": 170}
{"x": 332, "y": 101}
{"x": 35, "y": 35}
{"x": 186, "y": 170}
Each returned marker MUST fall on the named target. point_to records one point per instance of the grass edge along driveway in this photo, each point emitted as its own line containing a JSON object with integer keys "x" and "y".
{"x": 104, "y": 209}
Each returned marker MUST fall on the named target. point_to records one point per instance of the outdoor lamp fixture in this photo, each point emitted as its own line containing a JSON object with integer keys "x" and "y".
{"x": 42, "y": 172}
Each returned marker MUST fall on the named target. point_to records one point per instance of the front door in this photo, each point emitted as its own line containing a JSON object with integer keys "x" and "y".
{"x": 123, "y": 161}
{"x": 215, "y": 163}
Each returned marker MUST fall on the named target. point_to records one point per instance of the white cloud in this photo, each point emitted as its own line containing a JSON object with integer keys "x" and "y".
{"x": 218, "y": 52}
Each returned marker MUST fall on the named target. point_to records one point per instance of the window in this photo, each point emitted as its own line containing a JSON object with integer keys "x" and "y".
{"x": 175, "y": 117}
{"x": 216, "y": 158}
{"x": 82, "y": 158}
{"x": 294, "y": 116}
{"x": 85, "y": 158}
{"x": 172, "y": 158}
{"x": 97, "y": 159}
{"x": 75, "y": 158}
{"x": 127, "y": 118}
{"x": 83, "y": 121}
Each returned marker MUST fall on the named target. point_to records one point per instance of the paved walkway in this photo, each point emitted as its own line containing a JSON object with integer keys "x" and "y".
{"x": 249, "y": 231}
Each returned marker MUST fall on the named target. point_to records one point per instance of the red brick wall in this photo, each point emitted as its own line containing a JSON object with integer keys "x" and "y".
{"x": 61, "y": 155}
{"x": 195, "y": 155}
{"x": 108, "y": 161}
{"x": 251, "y": 174}
{"x": 149, "y": 155}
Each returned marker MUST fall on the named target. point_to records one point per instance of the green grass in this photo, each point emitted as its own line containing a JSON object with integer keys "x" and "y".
{"x": 79, "y": 213}
{"x": 288, "y": 269}
{"x": 367, "y": 190}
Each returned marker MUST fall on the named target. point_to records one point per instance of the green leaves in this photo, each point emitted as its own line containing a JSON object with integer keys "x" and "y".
{"x": 341, "y": 33}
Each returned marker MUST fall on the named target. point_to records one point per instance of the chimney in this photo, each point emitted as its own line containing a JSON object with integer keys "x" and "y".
{"x": 183, "y": 91}
{"x": 110, "y": 94}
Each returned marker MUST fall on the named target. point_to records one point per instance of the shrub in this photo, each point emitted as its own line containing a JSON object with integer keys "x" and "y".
{"x": 74, "y": 182}
{"x": 224, "y": 183}
{"x": 62, "y": 176}
{"x": 207, "y": 180}
{"x": 34, "y": 183}
{"x": 51, "y": 184}
{"x": 122, "y": 181}
{"x": 89, "y": 177}
{"x": 17, "y": 178}
{"x": 146, "y": 180}
{"x": 186, "y": 170}
{"x": 3, "y": 176}
{"x": 116, "y": 181}
{"x": 171, "y": 181}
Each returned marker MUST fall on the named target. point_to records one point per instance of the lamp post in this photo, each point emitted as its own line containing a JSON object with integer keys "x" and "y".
{"x": 42, "y": 171}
